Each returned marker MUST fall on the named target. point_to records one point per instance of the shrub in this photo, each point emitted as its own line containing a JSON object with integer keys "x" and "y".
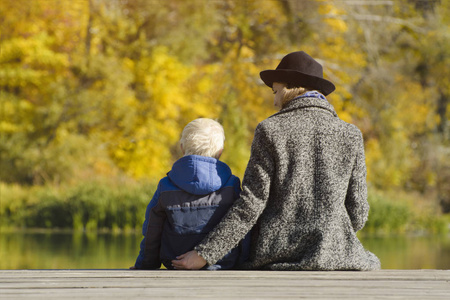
{"x": 387, "y": 215}
{"x": 87, "y": 206}
{"x": 394, "y": 213}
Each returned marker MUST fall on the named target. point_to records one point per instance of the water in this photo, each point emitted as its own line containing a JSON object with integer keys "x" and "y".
{"x": 411, "y": 252}
{"x": 50, "y": 250}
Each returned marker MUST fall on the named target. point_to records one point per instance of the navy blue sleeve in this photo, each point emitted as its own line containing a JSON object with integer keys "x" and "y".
{"x": 237, "y": 187}
{"x": 145, "y": 228}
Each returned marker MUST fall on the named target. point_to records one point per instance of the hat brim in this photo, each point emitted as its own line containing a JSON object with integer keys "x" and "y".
{"x": 298, "y": 79}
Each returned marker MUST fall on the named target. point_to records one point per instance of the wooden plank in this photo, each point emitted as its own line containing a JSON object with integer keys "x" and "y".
{"x": 125, "y": 284}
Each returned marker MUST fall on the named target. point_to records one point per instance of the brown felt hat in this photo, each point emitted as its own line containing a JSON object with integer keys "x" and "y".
{"x": 299, "y": 69}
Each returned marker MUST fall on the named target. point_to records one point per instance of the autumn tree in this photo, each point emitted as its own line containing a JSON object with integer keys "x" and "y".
{"x": 103, "y": 88}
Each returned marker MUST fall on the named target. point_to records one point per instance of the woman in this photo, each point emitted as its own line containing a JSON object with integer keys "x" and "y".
{"x": 304, "y": 189}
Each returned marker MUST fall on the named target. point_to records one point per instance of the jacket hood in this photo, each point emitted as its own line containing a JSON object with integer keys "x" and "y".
{"x": 199, "y": 175}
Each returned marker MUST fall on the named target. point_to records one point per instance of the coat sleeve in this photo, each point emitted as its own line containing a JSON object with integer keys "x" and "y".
{"x": 245, "y": 211}
{"x": 149, "y": 254}
{"x": 356, "y": 200}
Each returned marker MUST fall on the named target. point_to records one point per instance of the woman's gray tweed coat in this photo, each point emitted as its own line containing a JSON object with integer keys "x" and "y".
{"x": 304, "y": 194}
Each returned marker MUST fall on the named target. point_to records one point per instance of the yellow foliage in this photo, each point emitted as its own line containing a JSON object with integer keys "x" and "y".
{"x": 177, "y": 94}
{"x": 7, "y": 127}
{"x": 148, "y": 70}
{"x": 332, "y": 13}
{"x": 336, "y": 25}
{"x": 30, "y": 61}
{"x": 416, "y": 112}
{"x": 373, "y": 157}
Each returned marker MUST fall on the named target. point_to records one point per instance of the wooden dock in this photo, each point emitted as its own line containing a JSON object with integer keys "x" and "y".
{"x": 163, "y": 284}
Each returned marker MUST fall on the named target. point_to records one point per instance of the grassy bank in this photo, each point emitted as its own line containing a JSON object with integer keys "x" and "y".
{"x": 88, "y": 206}
{"x": 401, "y": 212}
{"x": 113, "y": 206}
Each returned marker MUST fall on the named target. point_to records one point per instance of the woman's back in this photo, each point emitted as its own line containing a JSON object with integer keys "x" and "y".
{"x": 305, "y": 224}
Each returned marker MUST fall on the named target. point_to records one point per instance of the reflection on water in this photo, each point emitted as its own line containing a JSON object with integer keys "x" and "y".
{"x": 403, "y": 252}
{"x": 50, "y": 250}
{"x": 25, "y": 250}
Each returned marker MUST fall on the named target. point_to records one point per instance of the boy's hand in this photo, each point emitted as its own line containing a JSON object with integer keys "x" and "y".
{"x": 133, "y": 268}
{"x": 189, "y": 261}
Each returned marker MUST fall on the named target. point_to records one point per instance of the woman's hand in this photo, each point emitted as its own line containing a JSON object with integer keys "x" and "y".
{"x": 189, "y": 261}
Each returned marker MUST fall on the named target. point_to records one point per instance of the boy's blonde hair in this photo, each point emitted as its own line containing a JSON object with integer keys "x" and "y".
{"x": 203, "y": 137}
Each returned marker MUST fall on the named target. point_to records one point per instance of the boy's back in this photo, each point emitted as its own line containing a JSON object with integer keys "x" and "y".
{"x": 189, "y": 202}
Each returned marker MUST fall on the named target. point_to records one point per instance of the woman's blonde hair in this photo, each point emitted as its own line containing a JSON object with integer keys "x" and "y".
{"x": 203, "y": 137}
{"x": 291, "y": 92}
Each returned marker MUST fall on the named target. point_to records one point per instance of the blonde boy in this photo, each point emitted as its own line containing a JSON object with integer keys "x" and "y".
{"x": 190, "y": 200}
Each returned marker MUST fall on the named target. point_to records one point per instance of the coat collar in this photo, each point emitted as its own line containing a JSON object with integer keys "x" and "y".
{"x": 308, "y": 102}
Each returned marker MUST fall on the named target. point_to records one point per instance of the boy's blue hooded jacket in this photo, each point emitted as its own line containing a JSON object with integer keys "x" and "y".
{"x": 188, "y": 203}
